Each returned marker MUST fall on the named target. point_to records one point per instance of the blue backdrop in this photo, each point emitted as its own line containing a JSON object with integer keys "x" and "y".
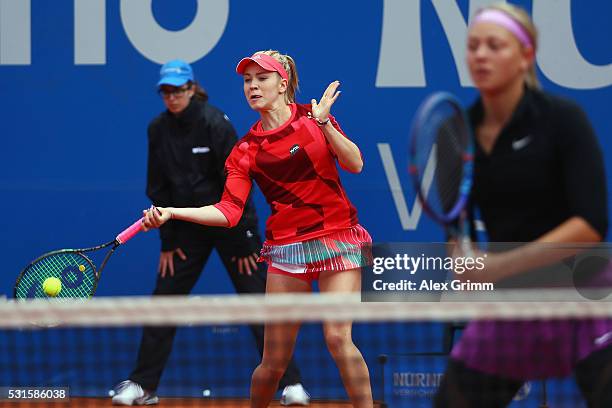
{"x": 77, "y": 80}
{"x": 78, "y": 90}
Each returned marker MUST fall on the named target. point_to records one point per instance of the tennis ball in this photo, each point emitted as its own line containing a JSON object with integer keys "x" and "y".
{"x": 52, "y": 286}
{"x": 82, "y": 268}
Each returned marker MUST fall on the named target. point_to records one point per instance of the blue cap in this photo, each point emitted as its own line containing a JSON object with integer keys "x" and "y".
{"x": 175, "y": 73}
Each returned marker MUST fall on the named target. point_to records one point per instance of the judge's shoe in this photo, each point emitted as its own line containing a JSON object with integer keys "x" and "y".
{"x": 295, "y": 395}
{"x": 130, "y": 393}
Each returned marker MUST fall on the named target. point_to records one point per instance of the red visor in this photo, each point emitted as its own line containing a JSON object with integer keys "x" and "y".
{"x": 265, "y": 61}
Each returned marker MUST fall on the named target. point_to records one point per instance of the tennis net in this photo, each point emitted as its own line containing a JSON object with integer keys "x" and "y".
{"x": 73, "y": 352}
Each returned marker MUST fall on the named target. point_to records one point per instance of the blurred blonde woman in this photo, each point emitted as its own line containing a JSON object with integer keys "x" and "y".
{"x": 538, "y": 178}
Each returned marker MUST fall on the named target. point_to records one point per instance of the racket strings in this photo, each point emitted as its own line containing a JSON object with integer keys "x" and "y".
{"x": 449, "y": 167}
{"x": 64, "y": 266}
{"x": 440, "y": 157}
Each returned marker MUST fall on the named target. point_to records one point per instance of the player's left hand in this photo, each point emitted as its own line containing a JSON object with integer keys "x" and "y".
{"x": 247, "y": 264}
{"x": 320, "y": 111}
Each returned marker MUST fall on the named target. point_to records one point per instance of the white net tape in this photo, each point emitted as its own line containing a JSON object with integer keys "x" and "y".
{"x": 231, "y": 309}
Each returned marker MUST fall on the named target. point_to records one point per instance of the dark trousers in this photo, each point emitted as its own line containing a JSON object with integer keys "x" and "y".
{"x": 156, "y": 343}
{"x": 463, "y": 387}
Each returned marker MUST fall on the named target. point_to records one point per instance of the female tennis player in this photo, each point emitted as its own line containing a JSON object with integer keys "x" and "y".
{"x": 175, "y": 174}
{"x": 538, "y": 178}
{"x": 313, "y": 231}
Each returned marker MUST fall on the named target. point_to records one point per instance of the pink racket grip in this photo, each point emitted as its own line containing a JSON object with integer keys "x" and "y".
{"x": 129, "y": 232}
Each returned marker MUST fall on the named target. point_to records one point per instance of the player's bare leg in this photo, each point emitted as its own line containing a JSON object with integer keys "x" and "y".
{"x": 279, "y": 342}
{"x": 338, "y": 336}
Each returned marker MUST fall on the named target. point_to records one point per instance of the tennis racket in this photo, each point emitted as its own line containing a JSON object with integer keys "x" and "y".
{"x": 442, "y": 164}
{"x": 76, "y": 272}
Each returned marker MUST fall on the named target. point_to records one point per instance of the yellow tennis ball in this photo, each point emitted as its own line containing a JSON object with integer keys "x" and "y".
{"x": 52, "y": 286}
{"x": 82, "y": 268}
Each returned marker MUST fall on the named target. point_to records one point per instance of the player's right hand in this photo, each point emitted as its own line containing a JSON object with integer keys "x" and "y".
{"x": 166, "y": 261}
{"x": 155, "y": 217}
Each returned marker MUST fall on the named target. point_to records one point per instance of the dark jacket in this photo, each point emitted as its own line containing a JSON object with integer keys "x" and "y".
{"x": 545, "y": 167}
{"x": 186, "y": 169}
